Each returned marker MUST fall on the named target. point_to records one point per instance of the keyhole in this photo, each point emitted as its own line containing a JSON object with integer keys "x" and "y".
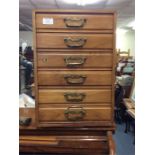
{"x": 44, "y": 59}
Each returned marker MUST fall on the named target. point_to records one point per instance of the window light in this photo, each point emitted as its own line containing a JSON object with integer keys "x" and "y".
{"x": 132, "y": 24}
{"x": 82, "y": 2}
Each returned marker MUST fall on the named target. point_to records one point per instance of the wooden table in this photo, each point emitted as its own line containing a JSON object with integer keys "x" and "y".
{"x": 128, "y": 103}
{"x": 131, "y": 112}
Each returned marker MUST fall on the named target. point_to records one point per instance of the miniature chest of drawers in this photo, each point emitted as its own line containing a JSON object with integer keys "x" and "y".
{"x": 74, "y": 77}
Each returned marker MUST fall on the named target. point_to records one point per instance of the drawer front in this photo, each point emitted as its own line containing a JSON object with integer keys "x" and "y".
{"x": 69, "y": 41}
{"x": 76, "y": 96}
{"x": 72, "y": 113}
{"x": 74, "y": 60}
{"x": 74, "y": 21}
{"x": 71, "y": 78}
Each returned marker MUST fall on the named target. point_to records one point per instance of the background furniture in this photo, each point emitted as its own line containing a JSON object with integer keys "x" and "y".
{"x": 125, "y": 71}
{"x": 119, "y": 95}
{"x": 21, "y": 78}
{"x": 129, "y": 110}
{"x": 74, "y": 83}
{"x": 123, "y": 55}
{"x": 129, "y": 115}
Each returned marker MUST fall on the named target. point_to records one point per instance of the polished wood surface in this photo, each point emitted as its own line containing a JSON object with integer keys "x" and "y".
{"x": 56, "y": 40}
{"x": 102, "y": 21}
{"x": 74, "y": 68}
{"x": 58, "y": 95}
{"x": 92, "y": 113}
{"x": 112, "y": 150}
{"x": 61, "y": 78}
{"x": 65, "y": 144}
{"x": 89, "y": 59}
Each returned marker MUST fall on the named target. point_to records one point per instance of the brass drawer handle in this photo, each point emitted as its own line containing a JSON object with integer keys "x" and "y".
{"x": 74, "y": 97}
{"x": 75, "y": 79}
{"x": 74, "y": 61}
{"x": 75, "y": 22}
{"x": 75, "y": 42}
{"x": 74, "y": 113}
{"x": 25, "y": 121}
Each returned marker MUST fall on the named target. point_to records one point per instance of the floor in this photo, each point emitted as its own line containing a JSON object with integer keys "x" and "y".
{"x": 124, "y": 141}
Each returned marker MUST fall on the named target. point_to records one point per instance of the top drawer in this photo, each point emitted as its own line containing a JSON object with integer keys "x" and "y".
{"x": 75, "y": 21}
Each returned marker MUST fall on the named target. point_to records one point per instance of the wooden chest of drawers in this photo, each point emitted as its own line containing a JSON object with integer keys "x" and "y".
{"x": 74, "y": 70}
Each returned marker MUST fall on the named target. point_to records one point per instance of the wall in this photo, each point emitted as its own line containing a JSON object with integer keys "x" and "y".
{"x": 126, "y": 40}
{"x": 25, "y": 36}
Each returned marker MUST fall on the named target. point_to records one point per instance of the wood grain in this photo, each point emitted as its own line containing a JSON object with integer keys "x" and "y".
{"x": 93, "y": 113}
{"x": 57, "y": 95}
{"x": 92, "y": 21}
{"x": 57, "y": 78}
{"x": 56, "y": 40}
{"x": 98, "y": 104}
{"x": 56, "y": 60}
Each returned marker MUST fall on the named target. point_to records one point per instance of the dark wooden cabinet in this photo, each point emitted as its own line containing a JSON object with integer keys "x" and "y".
{"x": 74, "y": 53}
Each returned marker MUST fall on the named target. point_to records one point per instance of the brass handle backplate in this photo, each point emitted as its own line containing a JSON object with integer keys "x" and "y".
{"x": 74, "y": 97}
{"x": 74, "y": 61}
{"x": 75, "y": 79}
{"x": 74, "y": 113}
{"x": 74, "y": 22}
{"x": 75, "y": 42}
{"x": 25, "y": 121}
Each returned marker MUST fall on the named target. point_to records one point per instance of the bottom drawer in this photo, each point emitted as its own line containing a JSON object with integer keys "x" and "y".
{"x": 66, "y": 144}
{"x": 75, "y": 113}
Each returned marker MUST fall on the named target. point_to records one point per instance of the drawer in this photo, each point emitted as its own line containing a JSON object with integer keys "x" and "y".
{"x": 74, "y": 21}
{"x": 74, "y": 60}
{"x": 75, "y": 113}
{"x": 74, "y": 40}
{"x": 64, "y": 144}
{"x": 63, "y": 78}
{"x": 76, "y": 96}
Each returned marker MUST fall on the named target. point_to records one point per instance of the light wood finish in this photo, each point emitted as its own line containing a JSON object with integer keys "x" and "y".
{"x": 92, "y": 113}
{"x": 56, "y": 40}
{"x": 92, "y": 21}
{"x": 58, "y": 95}
{"x": 74, "y": 78}
{"x": 89, "y": 59}
{"x": 38, "y": 140}
{"x": 129, "y": 106}
{"x": 128, "y": 103}
{"x": 83, "y": 129}
{"x": 131, "y": 112}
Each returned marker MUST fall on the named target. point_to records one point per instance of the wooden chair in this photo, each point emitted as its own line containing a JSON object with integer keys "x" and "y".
{"x": 123, "y": 54}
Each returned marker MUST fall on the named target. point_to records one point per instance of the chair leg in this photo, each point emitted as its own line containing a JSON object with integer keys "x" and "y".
{"x": 126, "y": 123}
{"x": 126, "y": 127}
{"x": 119, "y": 117}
